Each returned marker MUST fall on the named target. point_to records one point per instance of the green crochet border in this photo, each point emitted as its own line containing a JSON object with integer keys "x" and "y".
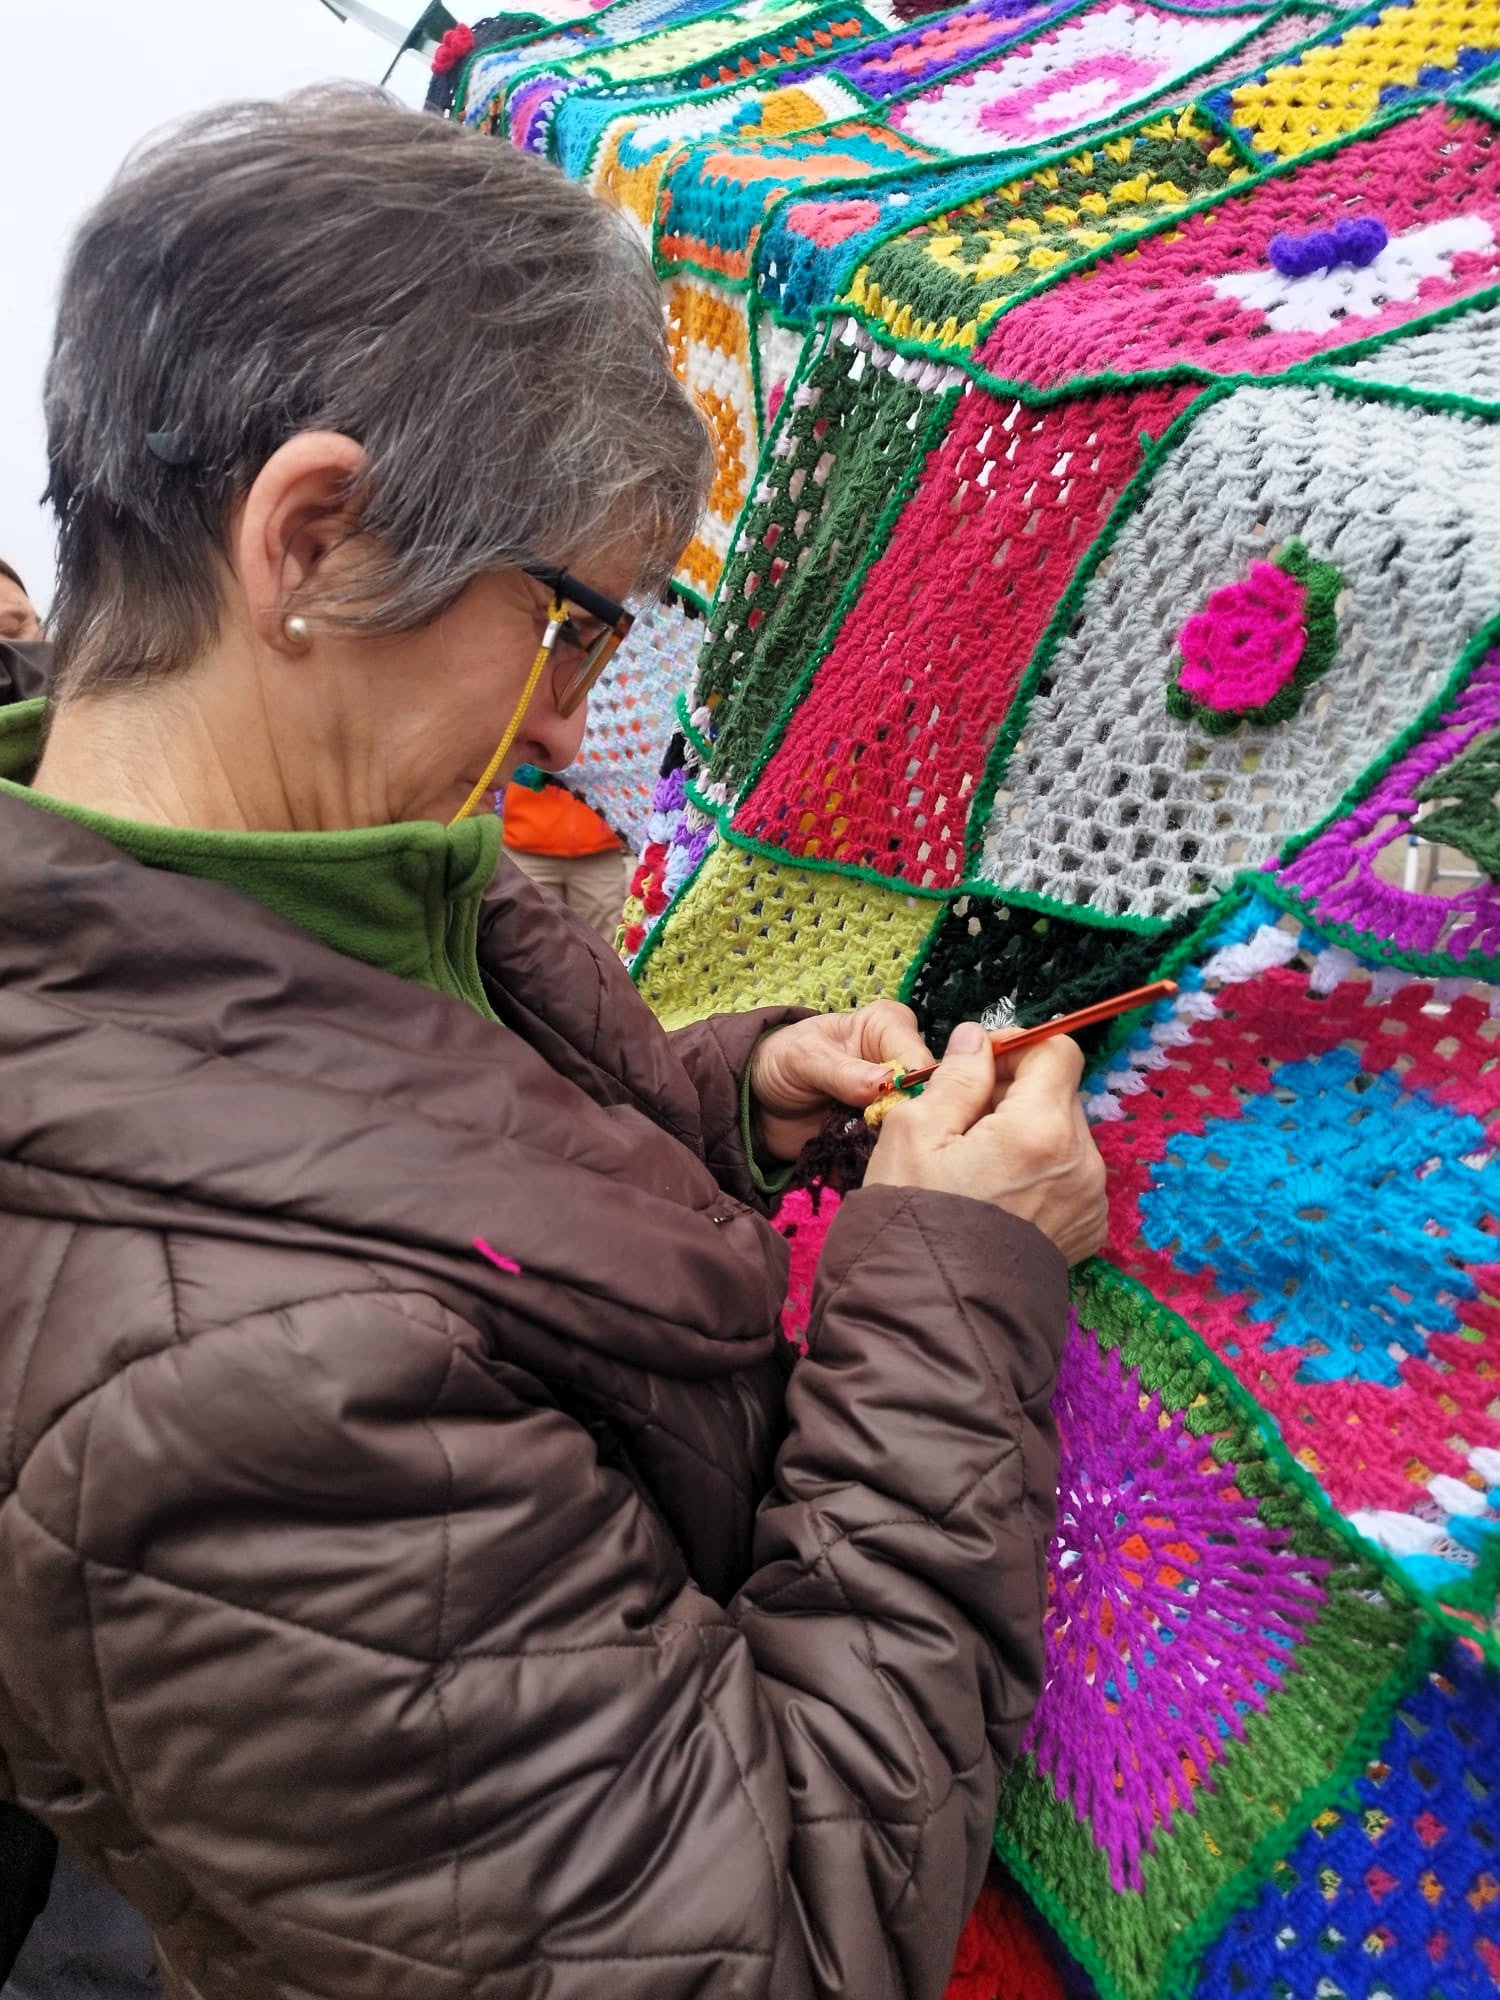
{"x": 1482, "y": 966}
{"x": 1124, "y": 510}
{"x": 1123, "y": 244}
{"x": 1484, "y": 639}
{"x": 971, "y": 882}
{"x": 961, "y": 354}
{"x": 1336, "y": 360}
{"x": 1181, "y": 1963}
{"x": 1432, "y": 965}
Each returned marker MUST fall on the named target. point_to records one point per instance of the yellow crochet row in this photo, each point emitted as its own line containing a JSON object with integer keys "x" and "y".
{"x": 750, "y": 929}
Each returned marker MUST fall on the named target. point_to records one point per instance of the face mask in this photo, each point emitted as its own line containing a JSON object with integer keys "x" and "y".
{"x": 25, "y": 668}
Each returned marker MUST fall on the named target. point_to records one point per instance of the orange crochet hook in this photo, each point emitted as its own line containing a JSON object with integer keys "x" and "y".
{"x": 1008, "y": 1039}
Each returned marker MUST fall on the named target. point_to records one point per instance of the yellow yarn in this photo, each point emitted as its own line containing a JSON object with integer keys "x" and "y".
{"x": 753, "y": 932}
{"x": 538, "y": 668}
{"x": 877, "y": 1113}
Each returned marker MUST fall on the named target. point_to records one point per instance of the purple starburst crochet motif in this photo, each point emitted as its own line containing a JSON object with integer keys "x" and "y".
{"x": 1172, "y": 1609}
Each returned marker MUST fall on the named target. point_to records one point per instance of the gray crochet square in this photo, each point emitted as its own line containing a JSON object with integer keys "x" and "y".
{"x": 1107, "y": 799}
{"x": 1457, "y": 357}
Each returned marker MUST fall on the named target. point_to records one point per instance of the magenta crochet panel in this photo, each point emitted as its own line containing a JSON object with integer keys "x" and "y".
{"x": 1208, "y": 293}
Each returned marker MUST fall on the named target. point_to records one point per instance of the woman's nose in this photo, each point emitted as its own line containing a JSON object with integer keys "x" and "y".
{"x": 562, "y": 735}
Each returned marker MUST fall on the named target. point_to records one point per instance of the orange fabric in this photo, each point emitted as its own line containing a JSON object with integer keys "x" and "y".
{"x": 552, "y": 821}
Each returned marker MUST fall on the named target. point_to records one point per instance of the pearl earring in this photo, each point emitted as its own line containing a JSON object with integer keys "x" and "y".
{"x": 297, "y": 629}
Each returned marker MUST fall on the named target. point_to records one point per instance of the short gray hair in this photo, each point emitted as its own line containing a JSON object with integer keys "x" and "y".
{"x": 490, "y": 334}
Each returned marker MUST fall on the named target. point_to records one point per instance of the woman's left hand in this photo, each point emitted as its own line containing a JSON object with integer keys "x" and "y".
{"x": 799, "y": 1073}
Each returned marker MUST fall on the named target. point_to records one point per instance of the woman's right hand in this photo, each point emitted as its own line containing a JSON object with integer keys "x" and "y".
{"x": 1008, "y": 1130}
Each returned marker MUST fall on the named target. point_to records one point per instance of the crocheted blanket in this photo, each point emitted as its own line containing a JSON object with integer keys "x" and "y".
{"x": 1102, "y": 578}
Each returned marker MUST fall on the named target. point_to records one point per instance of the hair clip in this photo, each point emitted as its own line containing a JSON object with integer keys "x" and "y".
{"x": 171, "y": 447}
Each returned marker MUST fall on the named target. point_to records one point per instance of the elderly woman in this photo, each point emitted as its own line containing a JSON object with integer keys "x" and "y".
{"x": 424, "y": 1575}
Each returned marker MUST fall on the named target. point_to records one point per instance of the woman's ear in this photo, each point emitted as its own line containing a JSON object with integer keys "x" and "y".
{"x": 292, "y": 525}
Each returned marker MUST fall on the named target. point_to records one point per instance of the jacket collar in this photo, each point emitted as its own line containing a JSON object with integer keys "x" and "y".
{"x": 177, "y": 1055}
{"x": 405, "y": 898}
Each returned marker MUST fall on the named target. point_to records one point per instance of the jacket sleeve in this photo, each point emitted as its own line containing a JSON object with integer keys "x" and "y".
{"x": 402, "y": 1684}
{"x": 716, "y": 1055}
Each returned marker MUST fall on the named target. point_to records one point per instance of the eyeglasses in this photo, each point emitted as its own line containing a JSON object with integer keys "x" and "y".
{"x": 577, "y": 664}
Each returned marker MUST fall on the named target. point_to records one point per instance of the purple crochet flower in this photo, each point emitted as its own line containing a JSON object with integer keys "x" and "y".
{"x": 1357, "y": 241}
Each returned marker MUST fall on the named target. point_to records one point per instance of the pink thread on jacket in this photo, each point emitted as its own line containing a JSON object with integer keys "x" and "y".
{"x": 501, "y": 1263}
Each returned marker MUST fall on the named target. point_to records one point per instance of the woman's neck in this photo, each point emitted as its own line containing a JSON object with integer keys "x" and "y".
{"x": 199, "y": 751}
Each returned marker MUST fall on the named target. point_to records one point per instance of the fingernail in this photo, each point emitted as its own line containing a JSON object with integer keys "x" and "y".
{"x": 967, "y": 1039}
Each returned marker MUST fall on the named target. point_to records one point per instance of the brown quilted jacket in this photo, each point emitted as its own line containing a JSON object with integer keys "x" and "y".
{"x": 385, "y": 1624}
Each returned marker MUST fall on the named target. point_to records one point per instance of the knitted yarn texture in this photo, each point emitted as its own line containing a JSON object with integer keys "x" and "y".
{"x": 1100, "y": 579}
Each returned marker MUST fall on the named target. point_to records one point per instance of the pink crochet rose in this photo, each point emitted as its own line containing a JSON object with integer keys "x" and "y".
{"x": 1245, "y": 645}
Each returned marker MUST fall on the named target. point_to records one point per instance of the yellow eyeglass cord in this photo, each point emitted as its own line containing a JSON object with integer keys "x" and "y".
{"x": 555, "y": 621}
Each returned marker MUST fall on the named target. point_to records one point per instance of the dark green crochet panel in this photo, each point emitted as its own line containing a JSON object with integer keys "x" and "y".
{"x": 983, "y": 951}
{"x": 848, "y": 447}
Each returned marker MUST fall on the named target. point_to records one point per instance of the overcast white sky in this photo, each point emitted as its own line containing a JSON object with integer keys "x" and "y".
{"x": 80, "y": 82}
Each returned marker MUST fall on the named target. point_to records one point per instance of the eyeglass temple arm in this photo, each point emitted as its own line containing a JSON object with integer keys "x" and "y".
{"x": 563, "y": 585}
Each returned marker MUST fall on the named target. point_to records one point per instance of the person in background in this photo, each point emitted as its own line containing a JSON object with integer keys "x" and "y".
{"x": 18, "y": 619}
{"x": 78, "y": 1939}
{"x": 561, "y": 843}
{"x": 25, "y": 656}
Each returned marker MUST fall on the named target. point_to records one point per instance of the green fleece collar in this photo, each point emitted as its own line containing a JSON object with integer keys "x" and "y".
{"x": 404, "y": 898}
